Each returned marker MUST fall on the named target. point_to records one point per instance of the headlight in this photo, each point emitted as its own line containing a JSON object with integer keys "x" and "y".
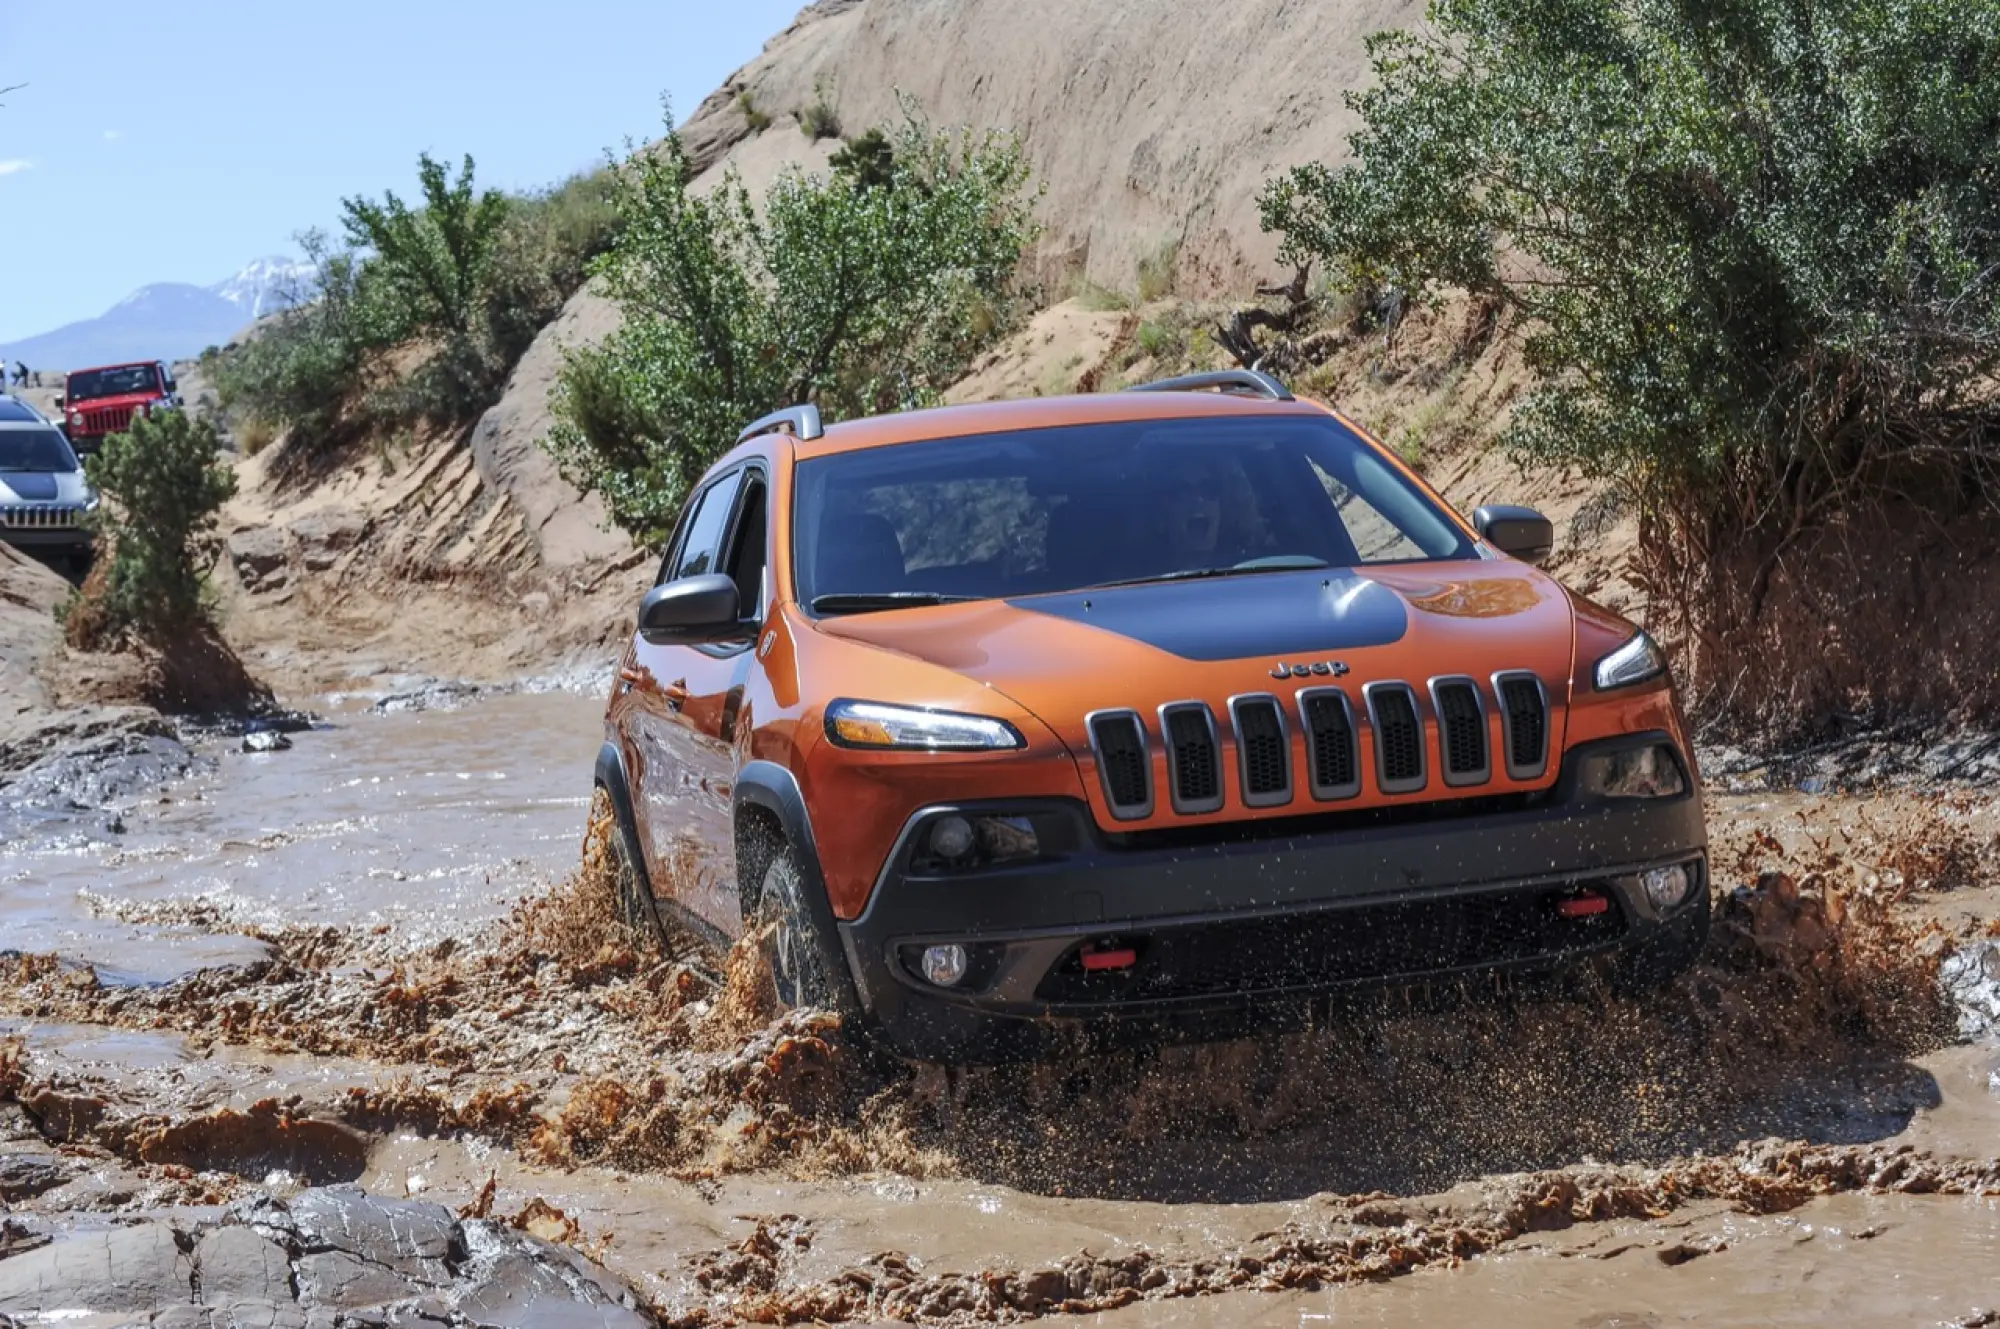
{"x": 1634, "y": 662}
{"x": 90, "y": 504}
{"x": 76, "y": 419}
{"x": 874, "y": 724}
{"x": 1643, "y": 772}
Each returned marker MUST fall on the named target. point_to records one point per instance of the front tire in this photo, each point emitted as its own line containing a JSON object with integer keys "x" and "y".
{"x": 792, "y": 944}
{"x": 1670, "y": 952}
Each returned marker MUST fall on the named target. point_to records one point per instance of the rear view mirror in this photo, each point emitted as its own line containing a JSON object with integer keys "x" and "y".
{"x": 691, "y": 611}
{"x": 1522, "y": 532}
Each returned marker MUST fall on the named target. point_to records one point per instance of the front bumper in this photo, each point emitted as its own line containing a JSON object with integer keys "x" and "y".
{"x": 1257, "y": 919}
{"x": 72, "y": 539}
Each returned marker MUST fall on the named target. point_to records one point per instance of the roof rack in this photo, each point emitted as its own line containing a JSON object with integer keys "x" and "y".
{"x": 804, "y": 421}
{"x": 1229, "y": 380}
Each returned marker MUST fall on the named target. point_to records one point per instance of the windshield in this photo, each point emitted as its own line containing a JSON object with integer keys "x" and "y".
{"x": 112, "y": 382}
{"x": 37, "y": 448}
{"x": 1051, "y": 510}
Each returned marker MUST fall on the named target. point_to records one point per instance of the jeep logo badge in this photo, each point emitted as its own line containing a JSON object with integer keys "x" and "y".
{"x": 1323, "y": 668}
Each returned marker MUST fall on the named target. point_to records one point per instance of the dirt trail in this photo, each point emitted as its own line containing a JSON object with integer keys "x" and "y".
{"x": 384, "y": 969}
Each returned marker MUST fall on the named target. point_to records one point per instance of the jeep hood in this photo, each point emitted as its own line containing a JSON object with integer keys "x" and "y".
{"x": 43, "y": 487}
{"x": 1063, "y": 656}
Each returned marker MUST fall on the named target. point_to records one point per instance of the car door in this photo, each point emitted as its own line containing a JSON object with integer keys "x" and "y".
{"x": 680, "y": 741}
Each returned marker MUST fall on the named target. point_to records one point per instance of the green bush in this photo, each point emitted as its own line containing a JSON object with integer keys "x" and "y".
{"x": 759, "y": 121}
{"x": 1751, "y": 243}
{"x": 469, "y": 278}
{"x": 838, "y": 290}
{"x": 433, "y": 261}
{"x": 301, "y": 370}
{"x": 162, "y": 487}
{"x": 820, "y": 120}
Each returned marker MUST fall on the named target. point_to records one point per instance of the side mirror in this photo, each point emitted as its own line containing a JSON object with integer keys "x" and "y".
{"x": 1522, "y": 532}
{"x": 60, "y": 403}
{"x": 691, "y": 611}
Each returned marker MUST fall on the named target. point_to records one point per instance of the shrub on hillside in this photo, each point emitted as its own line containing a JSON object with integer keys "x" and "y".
{"x": 1750, "y": 246}
{"x": 857, "y": 291}
{"x": 162, "y": 486}
{"x": 459, "y": 287}
{"x": 300, "y": 370}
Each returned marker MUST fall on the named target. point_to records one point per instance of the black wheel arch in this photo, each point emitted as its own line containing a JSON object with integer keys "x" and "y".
{"x": 611, "y": 779}
{"x": 767, "y": 800}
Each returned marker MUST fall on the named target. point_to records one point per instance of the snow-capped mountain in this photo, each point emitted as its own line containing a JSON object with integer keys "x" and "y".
{"x": 166, "y": 321}
{"x": 266, "y": 286}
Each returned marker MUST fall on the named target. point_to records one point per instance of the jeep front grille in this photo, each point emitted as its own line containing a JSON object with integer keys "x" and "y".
{"x": 1399, "y": 737}
{"x": 1194, "y": 759}
{"x": 1330, "y": 724}
{"x": 107, "y": 420}
{"x": 1119, "y": 742}
{"x": 1336, "y": 766}
{"x": 1263, "y": 751}
{"x": 55, "y": 517}
{"x": 1524, "y": 720}
{"x": 1461, "y": 730}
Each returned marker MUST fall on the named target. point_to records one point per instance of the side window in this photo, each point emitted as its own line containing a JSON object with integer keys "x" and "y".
{"x": 701, "y": 549}
{"x": 747, "y": 555}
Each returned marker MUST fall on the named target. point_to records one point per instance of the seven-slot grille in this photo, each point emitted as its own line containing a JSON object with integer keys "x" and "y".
{"x": 107, "y": 420}
{"x": 46, "y": 518}
{"x": 1260, "y": 727}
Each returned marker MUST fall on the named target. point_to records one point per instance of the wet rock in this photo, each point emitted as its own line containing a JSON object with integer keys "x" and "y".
{"x": 265, "y": 740}
{"x": 258, "y": 555}
{"x": 237, "y": 1264}
{"x": 24, "y": 1176}
{"x": 115, "y": 1271}
{"x": 335, "y": 1256}
{"x": 80, "y": 777}
{"x": 439, "y": 695}
{"x": 322, "y": 537}
{"x": 1971, "y": 975}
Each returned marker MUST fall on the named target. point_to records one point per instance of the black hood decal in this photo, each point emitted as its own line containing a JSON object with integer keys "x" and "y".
{"x": 1310, "y": 614}
{"x": 29, "y": 485}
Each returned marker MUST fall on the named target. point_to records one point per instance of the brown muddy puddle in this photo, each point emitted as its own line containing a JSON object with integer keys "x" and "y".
{"x": 431, "y": 821}
{"x": 419, "y": 1018}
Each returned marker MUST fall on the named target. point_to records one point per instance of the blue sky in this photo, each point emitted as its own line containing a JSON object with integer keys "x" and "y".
{"x": 178, "y": 142}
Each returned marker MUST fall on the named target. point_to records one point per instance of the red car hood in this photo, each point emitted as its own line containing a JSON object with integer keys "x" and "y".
{"x": 1063, "y": 656}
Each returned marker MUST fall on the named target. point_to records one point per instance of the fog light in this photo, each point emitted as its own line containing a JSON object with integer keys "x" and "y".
{"x": 1667, "y": 888}
{"x": 951, "y": 837}
{"x": 944, "y": 965}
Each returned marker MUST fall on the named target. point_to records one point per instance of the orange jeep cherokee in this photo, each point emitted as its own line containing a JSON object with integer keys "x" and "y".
{"x": 1165, "y": 710}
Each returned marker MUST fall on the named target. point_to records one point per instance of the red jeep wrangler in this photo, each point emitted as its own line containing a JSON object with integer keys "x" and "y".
{"x": 99, "y": 402}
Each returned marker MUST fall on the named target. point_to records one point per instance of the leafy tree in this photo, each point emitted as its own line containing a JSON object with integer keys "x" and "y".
{"x": 1752, "y": 243}
{"x": 869, "y": 160}
{"x": 433, "y": 260}
{"x": 858, "y": 296}
{"x": 163, "y": 487}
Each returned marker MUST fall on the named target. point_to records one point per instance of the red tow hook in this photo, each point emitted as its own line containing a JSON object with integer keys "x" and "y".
{"x": 1122, "y": 957}
{"x": 1582, "y": 906}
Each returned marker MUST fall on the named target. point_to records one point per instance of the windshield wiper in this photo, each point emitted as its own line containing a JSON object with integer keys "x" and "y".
{"x": 1282, "y": 563}
{"x": 850, "y": 603}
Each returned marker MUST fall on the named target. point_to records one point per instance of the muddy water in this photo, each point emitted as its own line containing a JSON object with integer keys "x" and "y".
{"x": 432, "y": 821}
{"x": 1214, "y": 1171}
